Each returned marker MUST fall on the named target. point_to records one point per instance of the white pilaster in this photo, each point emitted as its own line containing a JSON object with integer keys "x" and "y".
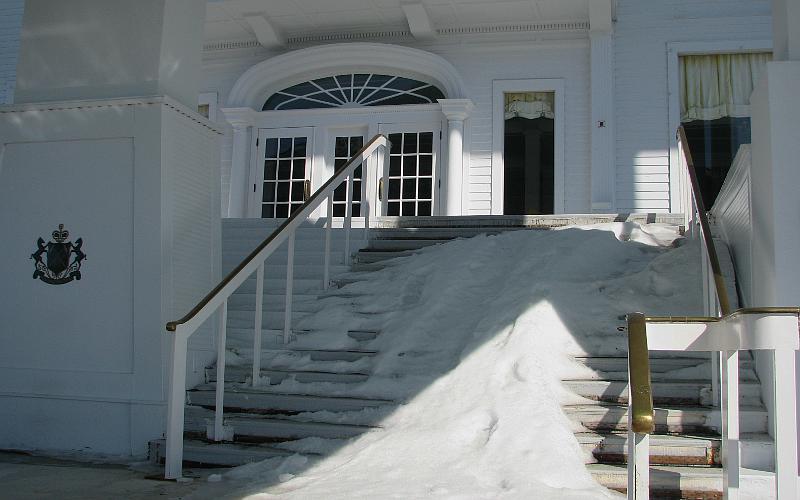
{"x": 602, "y": 97}
{"x": 241, "y": 119}
{"x": 456, "y": 111}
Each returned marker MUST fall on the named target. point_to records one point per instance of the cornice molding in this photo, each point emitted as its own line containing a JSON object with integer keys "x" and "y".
{"x": 566, "y": 26}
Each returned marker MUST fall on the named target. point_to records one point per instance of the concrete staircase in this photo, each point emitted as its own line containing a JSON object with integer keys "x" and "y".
{"x": 311, "y": 401}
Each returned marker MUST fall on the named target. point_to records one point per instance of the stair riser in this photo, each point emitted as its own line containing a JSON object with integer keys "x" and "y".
{"x": 276, "y": 286}
{"x": 308, "y": 271}
{"x": 245, "y": 319}
{"x": 271, "y": 303}
{"x": 373, "y": 257}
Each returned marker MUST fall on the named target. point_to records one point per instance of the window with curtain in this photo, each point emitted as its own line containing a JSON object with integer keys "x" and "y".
{"x": 715, "y": 111}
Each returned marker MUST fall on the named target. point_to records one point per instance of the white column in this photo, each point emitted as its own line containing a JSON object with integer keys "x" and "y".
{"x": 456, "y": 111}
{"x": 603, "y": 166}
{"x": 241, "y": 119}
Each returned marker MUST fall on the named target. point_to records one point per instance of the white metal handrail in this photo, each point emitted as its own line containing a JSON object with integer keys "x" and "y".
{"x": 217, "y": 300}
{"x": 723, "y": 332}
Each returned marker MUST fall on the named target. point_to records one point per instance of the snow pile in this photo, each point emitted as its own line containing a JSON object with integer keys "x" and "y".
{"x": 476, "y": 336}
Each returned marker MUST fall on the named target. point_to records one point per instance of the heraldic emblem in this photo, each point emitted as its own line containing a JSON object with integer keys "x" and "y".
{"x": 58, "y": 261}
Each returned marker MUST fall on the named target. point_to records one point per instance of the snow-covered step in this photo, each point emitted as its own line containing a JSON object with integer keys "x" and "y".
{"x": 242, "y": 338}
{"x": 251, "y": 427}
{"x": 365, "y": 256}
{"x": 278, "y": 285}
{"x": 665, "y": 481}
{"x": 435, "y": 233}
{"x": 273, "y": 302}
{"x": 612, "y": 447}
{"x": 276, "y": 376}
{"x": 523, "y": 221}
{"x": 664, "y": 369}
{"x": 317, "y": 355}
{"x": 204, "y": 453}
{"x": 678, "y": 392}
{"x": 398, "y": 245}
{"x": 683, "y": 420}
{"x": 300, "y": 270}
{"x": 245, "y": 319}
{"x": 664, "y": 449}
{"x": 245, "y": 399}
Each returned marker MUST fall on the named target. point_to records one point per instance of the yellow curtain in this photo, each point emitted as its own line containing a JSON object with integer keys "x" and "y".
{"x": 719, "y": 85}
{"x": 530, "y": 105}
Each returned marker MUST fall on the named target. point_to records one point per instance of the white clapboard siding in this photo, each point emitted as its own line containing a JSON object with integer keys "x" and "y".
{"x": 642, "y": 32}
{"x": 10, "y": 27}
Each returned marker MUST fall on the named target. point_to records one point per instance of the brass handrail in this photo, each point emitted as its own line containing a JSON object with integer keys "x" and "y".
{"x": 641, "y": 401}
{"x": 641, "y": 394}
{"x": 705, "y": 227}
{"x": 336, "y": 178}
{"x": 714, "y": 319}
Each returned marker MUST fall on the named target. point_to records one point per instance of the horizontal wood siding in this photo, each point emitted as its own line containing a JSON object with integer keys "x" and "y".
{"x": 10, "y": 27}
{"x": 642, "y": 32}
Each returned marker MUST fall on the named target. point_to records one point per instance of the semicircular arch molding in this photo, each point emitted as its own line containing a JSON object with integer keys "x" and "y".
{"x": 259, "y": 82}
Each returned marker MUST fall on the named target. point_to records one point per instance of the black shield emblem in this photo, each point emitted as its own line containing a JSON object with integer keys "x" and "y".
{"x": 58, "y": 257}
{"x": 58, "y": 261}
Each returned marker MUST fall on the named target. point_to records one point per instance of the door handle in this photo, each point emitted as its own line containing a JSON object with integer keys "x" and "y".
{"x": 306, "y": 189}
{"x": 380, "y": 189}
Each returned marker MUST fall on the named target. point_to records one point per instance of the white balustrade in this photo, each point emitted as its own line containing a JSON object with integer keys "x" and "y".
{"x": 217, "y": 301}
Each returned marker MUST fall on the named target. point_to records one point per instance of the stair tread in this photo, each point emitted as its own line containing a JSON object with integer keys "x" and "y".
{"x": 260, "y": 390}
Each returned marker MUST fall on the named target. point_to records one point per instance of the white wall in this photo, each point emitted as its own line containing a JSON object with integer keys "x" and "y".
{"x": 10, "y": 27}
{"x": 84, "y": 364}
{"x": 642, "y": 32}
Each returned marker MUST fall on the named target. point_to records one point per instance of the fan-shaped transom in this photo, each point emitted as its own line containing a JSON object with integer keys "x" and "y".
{"x": 354, "y": 90}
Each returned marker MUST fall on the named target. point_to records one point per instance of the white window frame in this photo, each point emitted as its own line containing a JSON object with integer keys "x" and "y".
{"x": 674, "y": 51}
{"x": 501, "y": 87}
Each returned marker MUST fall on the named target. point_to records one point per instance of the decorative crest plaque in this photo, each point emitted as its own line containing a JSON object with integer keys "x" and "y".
{"x": 58, "y": 261}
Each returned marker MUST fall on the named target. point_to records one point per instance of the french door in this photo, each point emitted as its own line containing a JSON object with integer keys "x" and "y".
{"x": 412, "y": 176}
{"x": 283, "y": 171}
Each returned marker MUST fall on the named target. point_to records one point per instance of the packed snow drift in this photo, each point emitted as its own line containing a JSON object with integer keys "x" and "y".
{"x": 476, "y": 336}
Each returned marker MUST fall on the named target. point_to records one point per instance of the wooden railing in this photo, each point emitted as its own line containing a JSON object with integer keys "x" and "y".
{"x": 217, "y": 299}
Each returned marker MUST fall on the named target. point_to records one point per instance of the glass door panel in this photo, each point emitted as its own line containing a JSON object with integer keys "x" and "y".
{"x": 285, "y": 158}
{"x": 345, "y": 147}
{"x": 412, "y": 177}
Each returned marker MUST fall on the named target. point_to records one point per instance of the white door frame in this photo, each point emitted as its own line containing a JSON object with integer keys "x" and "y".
{"x": 674, "y": 51}
{"x": 500, "y": 87}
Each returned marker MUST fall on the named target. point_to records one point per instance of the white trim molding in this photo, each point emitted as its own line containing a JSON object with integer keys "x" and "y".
{"x": 262, "y": 80}
{"x": 500, "y": 87}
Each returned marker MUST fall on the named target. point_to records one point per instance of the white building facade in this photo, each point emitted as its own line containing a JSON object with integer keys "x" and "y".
{"x": 293, "y": 88}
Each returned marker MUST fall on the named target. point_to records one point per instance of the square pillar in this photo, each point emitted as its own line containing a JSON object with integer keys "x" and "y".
{"x": 603, "y": 164}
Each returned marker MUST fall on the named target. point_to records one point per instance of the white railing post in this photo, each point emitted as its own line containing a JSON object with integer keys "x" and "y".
{"x": 257, "y": 329}
{"x": 173, "y": 462}
{"x": 326, "y": 273}
{"x": 219, "y": 400}
{"x": 348, "y": 219}
{"x": 785, "y": 418}
{"x": 638, "y": 459}
{"x": 287, "y": 318}
{"x": 729, "y": 417}
{"x": 366, "y": 206}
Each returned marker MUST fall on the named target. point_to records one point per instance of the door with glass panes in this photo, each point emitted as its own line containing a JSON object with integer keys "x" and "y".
{"x": 345, "y": 145}
{"x": 283, "y": 171}
{"x": 412, "y": 176}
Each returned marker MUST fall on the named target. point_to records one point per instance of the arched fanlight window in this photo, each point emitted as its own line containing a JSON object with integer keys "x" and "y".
{"x": 353, "y": 90}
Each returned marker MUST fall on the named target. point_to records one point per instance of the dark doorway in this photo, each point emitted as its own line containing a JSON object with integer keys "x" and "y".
{"x": 713, "y": 144}
{"x": 529, "y": 164}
